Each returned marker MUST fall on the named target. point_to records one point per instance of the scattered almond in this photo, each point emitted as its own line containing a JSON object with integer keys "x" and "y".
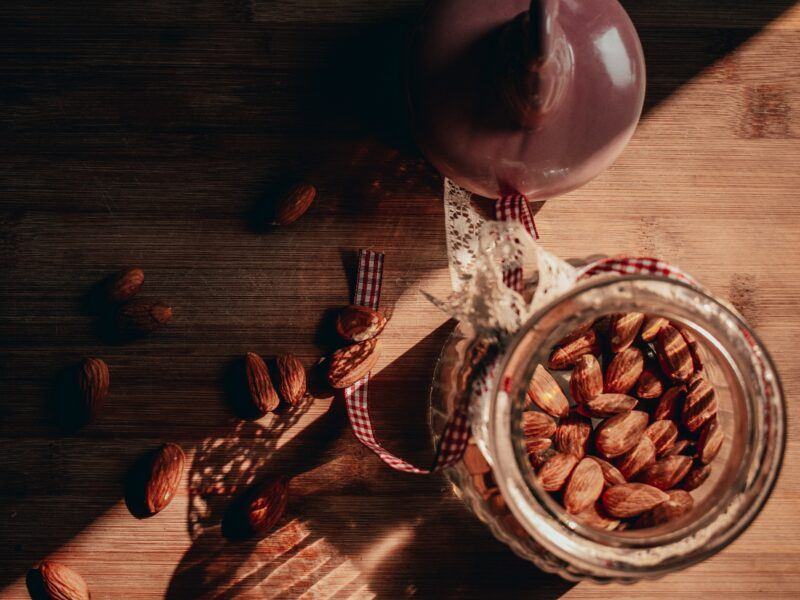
{"x": 291, "y": 378}
{"x": 83, "y": 393}
{"x": 266, "y": 504}
{"x": 350, "y": 364}
{"x": 124, "y": 285}
{"x": 163, "y": 478}
{"x": 546, "y": 393}
{"x": 584, "y": 486}
{"x": 615, "y": 436}
{"x": 554, "y": 473}
{"x": 565, "y": 356}
{"x": 358, "y": 323}
{"x": 632, "y": 499}
{"x": 262, "y": 394}
{"x": 667, "y": 472}
{"x": 293, "y": 204}
{"x": 624, "y": 329}
{"x": 586, "y": 380}
{"x": 58, "y": 582}
{"x": 624, "y": 371}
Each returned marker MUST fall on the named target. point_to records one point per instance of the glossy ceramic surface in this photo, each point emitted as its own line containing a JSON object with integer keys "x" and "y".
{"x": 584, "y": 77}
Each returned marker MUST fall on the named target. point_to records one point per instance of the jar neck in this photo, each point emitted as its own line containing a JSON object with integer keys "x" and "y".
{"x": 756, "y": 420}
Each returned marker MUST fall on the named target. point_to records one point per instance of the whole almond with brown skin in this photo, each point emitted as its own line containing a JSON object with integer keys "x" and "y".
{"x": 546, "y": 393}
{"x": 266, "y": 504}
{"x": 696, "y": 477}
{"x": 663, "y": 434}
{"x": 163, "y": 477}
{"x": 607, "y": 405}
{"x": 624, "y": 371}
{"x": 57, "y": 582}
{"x": 673, "y": 354}
{"x": 639, "y": 457}
{"x": 576, "y": 333}
{"x": 615, "y": 436}
{"x": 291, "y": 378}
{"x": 624, "y": 329}
{"x": 573, "y": 434}
{"x": 474, "y": 461}
{"x": 537, "y": 459}
{"x": 595, "y": 516}
{"x": 652, "y": 325}
{"x": 554, "y": 473}
{"x": 262, "y": 393}
{"x": 710, "y": 441}
{"x": 649, "y": 385}
{"x": 124, "y": 285}
{"x": 631, "y": 499}
{"x": 694, "y": 348}
{"x": 84, "y": 393}
{"x": 565, "y": 356}
{"x": 667, "y": 472}
{"x": 700, "y": 404}
{"x": 685, "y": 447}
{"x": 536, "y": 424}
{"x": 610, "y": 473}
{"x": 679, "y": 503}
{"x": 484, "y": 484}
{"x": 584, "y": 486}
{"x": 293, "y": 204}
{"x": 142, "y": 316}
{"x": 670, "y": 404}
{"x": 358, "y": 323}
{"x": 350, "y": 364}
{"x": 586, "y": 380}
{"x": 535, "y": 446}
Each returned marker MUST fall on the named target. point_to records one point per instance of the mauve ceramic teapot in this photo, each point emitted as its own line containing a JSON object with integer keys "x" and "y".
{"x": 537, "y": 98}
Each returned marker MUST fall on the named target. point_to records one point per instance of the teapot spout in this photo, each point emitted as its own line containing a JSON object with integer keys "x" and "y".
{"x": 534, "y": 66}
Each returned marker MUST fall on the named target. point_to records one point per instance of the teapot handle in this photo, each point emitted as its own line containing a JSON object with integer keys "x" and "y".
{"x": 541, "y": 16}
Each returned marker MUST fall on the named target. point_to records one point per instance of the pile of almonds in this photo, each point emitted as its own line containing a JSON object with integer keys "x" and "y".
{"x": 641, "y": 431}
{"x": 360, "y": 327}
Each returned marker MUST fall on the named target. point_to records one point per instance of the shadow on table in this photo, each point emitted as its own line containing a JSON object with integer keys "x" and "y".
{"x": 352, "y": 525}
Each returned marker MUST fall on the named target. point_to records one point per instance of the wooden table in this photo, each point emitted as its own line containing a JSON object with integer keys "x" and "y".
{"x": 147, "y": 132}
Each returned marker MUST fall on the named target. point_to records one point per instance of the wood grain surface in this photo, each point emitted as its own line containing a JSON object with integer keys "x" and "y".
{"x": 149, "y": 133}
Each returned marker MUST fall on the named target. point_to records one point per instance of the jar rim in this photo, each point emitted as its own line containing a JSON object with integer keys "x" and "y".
{"x": 610, "y": 554}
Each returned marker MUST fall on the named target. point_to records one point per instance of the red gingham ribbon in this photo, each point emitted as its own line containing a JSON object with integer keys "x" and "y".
{"x": 456, "y": 433}
{"x": 515, "y": 207}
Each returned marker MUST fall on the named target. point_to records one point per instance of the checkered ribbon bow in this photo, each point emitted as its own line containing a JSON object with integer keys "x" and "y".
{"x": 453, "y": 440}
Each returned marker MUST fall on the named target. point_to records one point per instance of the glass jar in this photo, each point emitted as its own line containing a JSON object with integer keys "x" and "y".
{"x": 519, "y": 512}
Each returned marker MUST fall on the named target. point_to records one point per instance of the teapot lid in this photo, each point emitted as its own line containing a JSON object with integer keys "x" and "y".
{"x": 534, "y": 98}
